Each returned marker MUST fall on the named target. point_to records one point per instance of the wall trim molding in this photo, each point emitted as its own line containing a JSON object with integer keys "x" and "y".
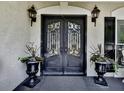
{"x": 64, "y": 10}
{"x": 118, "y": 13}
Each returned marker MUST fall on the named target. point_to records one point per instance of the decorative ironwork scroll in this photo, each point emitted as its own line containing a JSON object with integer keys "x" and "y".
{"x": 53, "y": 39}
{"x": 73, "y": 39}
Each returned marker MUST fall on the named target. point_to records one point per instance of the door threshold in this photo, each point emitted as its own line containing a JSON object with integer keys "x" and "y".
{"x": 63, "y": 74}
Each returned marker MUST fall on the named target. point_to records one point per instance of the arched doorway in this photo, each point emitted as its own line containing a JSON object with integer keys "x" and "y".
{"x": 64, "y": 13}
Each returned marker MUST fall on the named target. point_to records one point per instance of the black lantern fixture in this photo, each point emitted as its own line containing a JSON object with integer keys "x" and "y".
{"x": 32, "y": 14}
{"x": 95, "y": 14}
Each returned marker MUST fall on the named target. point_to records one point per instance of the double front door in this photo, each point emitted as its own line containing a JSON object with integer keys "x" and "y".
{"x": 63, "y": 44}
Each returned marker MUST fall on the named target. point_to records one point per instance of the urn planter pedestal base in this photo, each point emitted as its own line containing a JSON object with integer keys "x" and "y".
{"x": 32, "y": 69}
{"x": 100, "y": 81}
{"x": 31, "y": 82}
{"x": 100, "y": 68}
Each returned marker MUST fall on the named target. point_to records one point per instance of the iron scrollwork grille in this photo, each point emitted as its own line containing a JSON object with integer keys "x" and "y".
{"x": 53, "y": 39}
{"x": 73, "y": 39}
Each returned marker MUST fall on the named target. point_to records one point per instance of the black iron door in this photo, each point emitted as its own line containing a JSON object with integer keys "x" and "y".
{"x": 63, "y": 45}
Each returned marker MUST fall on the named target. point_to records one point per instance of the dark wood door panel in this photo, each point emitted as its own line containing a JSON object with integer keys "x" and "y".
{"x": 63, "y": 44}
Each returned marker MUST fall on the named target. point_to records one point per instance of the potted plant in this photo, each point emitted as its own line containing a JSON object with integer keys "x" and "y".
{"x": 32, "y": 62}
{"x": 101, "y": 64}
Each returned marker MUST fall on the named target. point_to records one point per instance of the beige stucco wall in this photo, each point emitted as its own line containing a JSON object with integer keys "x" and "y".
{"x": 95, "y": 35}
{"x": 14, "y": 33}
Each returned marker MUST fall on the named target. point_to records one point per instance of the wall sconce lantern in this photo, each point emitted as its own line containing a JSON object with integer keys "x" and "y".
{"x": 95, "y": 14}
{"x": 32, "y": 14}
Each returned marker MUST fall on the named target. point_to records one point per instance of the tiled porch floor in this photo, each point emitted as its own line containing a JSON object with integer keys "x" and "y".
{"x": 74, "y": 83}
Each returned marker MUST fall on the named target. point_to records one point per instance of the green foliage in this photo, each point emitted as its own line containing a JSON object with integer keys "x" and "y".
{"x": 29, "y": 58}
{"x": 96, "y": 56}
{"x": 38, "y": 58}
{"x": 24, "y": 59}
{"x": 31, "y": 50}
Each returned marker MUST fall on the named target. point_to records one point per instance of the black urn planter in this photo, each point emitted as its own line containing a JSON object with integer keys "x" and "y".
{"x": 100, "y": 68}
{"x": 32, "y": 69}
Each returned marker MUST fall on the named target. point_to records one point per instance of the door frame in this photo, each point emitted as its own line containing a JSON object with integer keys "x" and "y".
{"x": 84, "y": 17}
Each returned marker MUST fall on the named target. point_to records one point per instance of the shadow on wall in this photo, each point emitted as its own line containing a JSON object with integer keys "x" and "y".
{"x": 1, "y": 66}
